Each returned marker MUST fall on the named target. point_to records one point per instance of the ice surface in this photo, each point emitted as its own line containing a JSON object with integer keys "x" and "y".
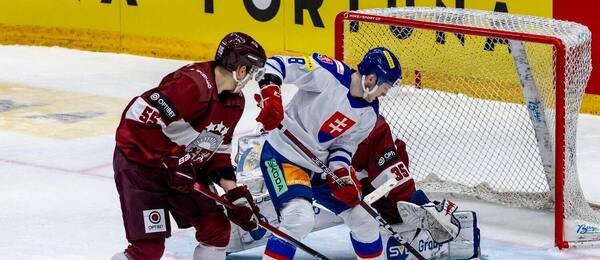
{"x": 58, "y": 112}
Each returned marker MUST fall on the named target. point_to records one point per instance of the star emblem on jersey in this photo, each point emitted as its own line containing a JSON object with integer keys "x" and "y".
{"x": 336, "y": 125}
{"x": 217, "y": 128}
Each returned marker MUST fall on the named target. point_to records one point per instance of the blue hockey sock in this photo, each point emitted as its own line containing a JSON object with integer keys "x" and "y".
{"x": 279, "y": 249}
{"x": 367, "y": 250}
{"x": 419, "y": 198}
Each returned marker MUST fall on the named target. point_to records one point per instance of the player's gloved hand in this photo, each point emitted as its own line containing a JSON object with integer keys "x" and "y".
{"x": 270, "y": 101}
{"x": 246, "y": 214}
{"x": 181, "y": 171}
{"x": 349, "y": 191}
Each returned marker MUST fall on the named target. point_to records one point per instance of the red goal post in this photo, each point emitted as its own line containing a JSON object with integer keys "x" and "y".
{"x": 548, "y": 69}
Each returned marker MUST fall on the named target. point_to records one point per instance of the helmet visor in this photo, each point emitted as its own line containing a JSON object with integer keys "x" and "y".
{"x": 387, "y": 85}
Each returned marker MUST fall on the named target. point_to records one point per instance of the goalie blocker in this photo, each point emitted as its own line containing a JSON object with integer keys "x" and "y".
{"x": 465, "y": 246}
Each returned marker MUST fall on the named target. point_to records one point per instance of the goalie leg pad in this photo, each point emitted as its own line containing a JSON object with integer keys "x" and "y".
{"x": 440, "y": 222}
{"x": 467, "y": 244}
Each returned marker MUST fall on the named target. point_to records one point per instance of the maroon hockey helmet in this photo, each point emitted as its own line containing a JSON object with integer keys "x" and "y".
{"x": 240, "y": 49}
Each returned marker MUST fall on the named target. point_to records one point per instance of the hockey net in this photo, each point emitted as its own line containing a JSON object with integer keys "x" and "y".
{"x": 479, "y": 120}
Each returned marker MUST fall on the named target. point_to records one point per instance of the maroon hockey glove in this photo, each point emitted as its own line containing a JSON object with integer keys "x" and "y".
{"x": 246, "y": 213}
{"x": 181, "y": 172}
{"x": 270, "y": 101}
{"x": 349, "y": 191}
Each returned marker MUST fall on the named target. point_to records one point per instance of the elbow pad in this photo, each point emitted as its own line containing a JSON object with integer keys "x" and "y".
{"x": 223, "y": 173}
{"x": 269, "y": 79}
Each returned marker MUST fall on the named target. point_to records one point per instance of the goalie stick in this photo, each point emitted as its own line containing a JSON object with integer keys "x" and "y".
{"x": 363, "y": 204}
{"x": 200, "y": 188}
{"x": 381, "y": 191}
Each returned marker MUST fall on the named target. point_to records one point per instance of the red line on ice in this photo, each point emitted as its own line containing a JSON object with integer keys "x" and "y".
{"x": 84, "y": 171}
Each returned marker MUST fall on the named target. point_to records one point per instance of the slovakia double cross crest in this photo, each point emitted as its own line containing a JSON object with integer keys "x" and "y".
{"x": 336, "y": 125}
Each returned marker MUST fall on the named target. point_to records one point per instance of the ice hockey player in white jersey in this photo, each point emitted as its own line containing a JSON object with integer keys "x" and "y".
{"x": 334, "y": 109}
{"x": 374, "y": 157}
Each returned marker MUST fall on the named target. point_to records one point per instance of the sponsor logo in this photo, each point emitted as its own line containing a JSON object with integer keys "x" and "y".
{"x": 428, "y": 245}
{"x": 335, "y": 126}
{"x": 154, "y": 217}
{"x": 163, "y": 105}
{"x": 276, "y": 177}
{"x": 208, "y": 84}
{"x": 389, "y": 156}
{"x": 155, "y": 96}
{"x": 587, "y": 229}
{"x": 395, "y": 251}
{"x": 534, "y": 110}
{"x": 184, "y": 158}
{"x": 294, "y": 175}
{"x": 389, "y": 59}
{"x": 154, "y": 220}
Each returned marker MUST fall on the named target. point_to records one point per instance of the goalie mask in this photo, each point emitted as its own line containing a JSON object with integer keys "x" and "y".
{"x": 384, "y": 64}
{"x": 238, "y": 49}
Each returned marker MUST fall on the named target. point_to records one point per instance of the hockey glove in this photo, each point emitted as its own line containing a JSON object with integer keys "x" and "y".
{"x": 181, "y": 172}
{"x": 270, "y": 101}
{"x": 246, "y": 214}
{"x": 349, "y": 190}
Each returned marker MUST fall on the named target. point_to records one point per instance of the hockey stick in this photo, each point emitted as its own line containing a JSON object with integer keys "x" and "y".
{"x": 200, "y": 188}
{"x": 383, "y": 189}
{"x": 363, "y": 204}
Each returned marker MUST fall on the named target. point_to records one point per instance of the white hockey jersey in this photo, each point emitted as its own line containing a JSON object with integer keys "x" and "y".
{"x": 322, "y": 114}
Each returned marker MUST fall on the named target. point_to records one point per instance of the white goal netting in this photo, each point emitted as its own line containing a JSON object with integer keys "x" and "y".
{"x": 461, "y": 108}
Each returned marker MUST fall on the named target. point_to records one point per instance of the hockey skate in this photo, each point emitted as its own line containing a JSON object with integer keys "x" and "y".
{"x": 435, "y": 217}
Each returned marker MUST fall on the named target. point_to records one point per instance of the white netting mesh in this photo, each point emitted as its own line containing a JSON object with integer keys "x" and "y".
{"x": 461, "y": 109}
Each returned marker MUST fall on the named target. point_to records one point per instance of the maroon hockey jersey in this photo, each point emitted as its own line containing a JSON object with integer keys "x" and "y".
{"x": 379, "y": 158}
{"x": 183, "y": 112}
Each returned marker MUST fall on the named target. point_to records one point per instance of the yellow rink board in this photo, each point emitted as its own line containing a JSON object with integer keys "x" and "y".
{"x": 187, "y": 29}
{"x": 57, "y": 114}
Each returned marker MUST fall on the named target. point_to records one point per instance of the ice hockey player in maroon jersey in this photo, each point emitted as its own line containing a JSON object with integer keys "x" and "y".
{"x": 179, "y": 133}
{"x": 379, "y": 158}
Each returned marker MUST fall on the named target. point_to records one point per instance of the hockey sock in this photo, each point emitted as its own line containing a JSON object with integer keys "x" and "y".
{"x": 372, "y": 250}
{"x": 419, "y": 198}
{"x": 151, "y": 248}
{"x": 279, "y": 249}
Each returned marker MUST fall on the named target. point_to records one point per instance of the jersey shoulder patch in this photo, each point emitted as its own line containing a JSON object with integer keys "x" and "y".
{"x": 338, "y": 69}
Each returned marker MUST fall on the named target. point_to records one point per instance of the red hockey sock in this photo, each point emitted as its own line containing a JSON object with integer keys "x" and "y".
{"x": 146, "y": 249}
